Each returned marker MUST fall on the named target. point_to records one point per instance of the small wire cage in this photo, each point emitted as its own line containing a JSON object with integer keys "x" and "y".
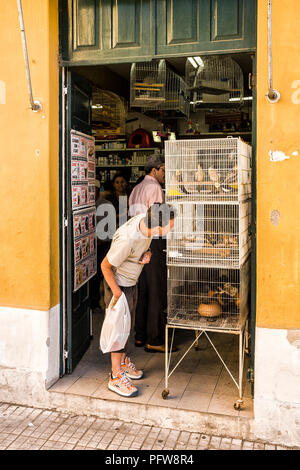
{"x": 208, "y": 170}
{"x": 214, "y": 79}
{"x": 210, "y": 235}
{"x": 148, "y": 83}
{"x": 176, "y": 95}
{"x": 208, "y": 298}
{"x": 108, "y": 113}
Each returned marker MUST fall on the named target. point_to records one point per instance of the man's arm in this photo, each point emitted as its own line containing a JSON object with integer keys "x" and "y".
{"x": 108, "y": 274}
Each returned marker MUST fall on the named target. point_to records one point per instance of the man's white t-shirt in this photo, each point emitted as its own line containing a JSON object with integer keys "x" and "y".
{"x": 127, "y": 247}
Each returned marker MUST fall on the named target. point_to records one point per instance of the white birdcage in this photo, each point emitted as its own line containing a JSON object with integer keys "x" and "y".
{"x": 147, "y": 83}
{"x": 153, "y": 86}
{"x": 214, "y": 79}
{"x": 176, "y": 95}
{"x": 208, "y": 298}
{"x": 208, "y": 170}
{"x": 209, "y": 184}
{"x": 210, "y": 235}
{"x": 108, "y": 113}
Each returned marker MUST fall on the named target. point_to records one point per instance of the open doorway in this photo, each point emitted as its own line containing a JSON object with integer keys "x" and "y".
{"x": 210, "y": 115}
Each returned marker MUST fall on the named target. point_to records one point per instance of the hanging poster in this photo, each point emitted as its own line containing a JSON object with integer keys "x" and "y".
{"x": 83, "y": 172}
{"x": 83, "y": 169}
{"x": 85, "y": 246}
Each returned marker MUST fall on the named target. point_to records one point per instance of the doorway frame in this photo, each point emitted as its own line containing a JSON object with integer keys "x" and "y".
{"x": 63, "y": 155}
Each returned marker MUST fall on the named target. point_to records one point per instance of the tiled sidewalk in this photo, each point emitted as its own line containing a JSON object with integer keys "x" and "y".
{"x": 25, "y": 428}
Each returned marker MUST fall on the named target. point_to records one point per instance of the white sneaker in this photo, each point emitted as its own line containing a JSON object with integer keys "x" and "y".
{"x": 130, "y": 370}
{"x": 122, "y": 385}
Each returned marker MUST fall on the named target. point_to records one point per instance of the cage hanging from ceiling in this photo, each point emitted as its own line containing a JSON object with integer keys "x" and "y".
{"x": 153, "y": 86}
{"x": 214, "y": 79}
{"x": 147, "y": 83}
{"x": 108, "y": 113}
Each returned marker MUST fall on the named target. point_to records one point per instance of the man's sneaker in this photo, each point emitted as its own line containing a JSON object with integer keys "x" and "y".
{"x": 130, "y": 370}
{"x": 122, "y": 385}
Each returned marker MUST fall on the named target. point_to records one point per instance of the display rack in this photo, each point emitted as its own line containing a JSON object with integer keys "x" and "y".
{"x": 209, "y": 184}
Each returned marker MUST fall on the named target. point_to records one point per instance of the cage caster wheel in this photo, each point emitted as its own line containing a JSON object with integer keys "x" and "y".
{"x": 238, "y": 404}
{"x": 165, "y": 393}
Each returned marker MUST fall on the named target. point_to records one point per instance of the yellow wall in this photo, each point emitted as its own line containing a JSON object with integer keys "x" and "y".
{"x": 29, "y": 158}
{"x": 278, "y": 184}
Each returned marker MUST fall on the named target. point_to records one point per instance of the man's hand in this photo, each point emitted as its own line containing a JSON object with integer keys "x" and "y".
{"x": 116, "y": 295}
{"x": 145, "y": 258}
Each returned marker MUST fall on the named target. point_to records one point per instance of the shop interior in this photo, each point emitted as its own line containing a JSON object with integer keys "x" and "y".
{"x": 203, "y": 98}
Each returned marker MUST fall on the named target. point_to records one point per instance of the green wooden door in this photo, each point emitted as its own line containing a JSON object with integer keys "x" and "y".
{"x": 198, "y": 26}
{"x": 107, "y": 31}
{"x": 77, "y": 303}
{"x": 110, "y": 31}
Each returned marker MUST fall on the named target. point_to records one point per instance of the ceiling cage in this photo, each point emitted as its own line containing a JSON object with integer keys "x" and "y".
{"x": 155, "y": 87}
{"x": 214, "y": 79}
{"x": 147, "y": 83}
{"x": 108, "y": 113}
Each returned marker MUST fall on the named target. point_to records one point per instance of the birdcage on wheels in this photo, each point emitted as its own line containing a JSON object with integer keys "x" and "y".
{"x": 108, "y": 113}
{"x": 209, "y": 184}
{"x": 148, "y": 83}
{"x": 214, "y": 79}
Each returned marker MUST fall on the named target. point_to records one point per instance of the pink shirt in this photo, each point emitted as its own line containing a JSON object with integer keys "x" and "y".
{"x": 144, "y": 195}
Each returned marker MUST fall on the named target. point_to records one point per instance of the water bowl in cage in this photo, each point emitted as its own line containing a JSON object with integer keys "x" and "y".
{"x": 210, "y": 310}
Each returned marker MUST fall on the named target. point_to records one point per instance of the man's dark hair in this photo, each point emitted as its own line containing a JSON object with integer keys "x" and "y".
{"x": 159, "y": 215}
{"x": 154, "y": 161}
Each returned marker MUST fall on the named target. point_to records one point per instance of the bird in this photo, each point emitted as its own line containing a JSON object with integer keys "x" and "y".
{"x": 174, "y": 183}
{"x": 229, "y": 179}
{"x": 214, "y": 176}
{"x": 199, "y": 177}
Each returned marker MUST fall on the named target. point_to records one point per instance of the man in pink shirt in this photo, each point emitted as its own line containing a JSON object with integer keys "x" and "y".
{"x": 152, "y": 285}
{"x": 149, "y": 190}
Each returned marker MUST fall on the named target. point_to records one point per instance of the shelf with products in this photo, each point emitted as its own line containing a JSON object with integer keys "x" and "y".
{"x": 127, "y": 149}
{"x": 121, "y": 165}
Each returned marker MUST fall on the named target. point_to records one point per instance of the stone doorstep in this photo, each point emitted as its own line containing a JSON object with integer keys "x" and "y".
{"x": 155, "y": 415}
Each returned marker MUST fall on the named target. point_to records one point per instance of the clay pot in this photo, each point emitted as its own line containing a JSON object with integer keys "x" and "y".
{"x": 210, "y": 310}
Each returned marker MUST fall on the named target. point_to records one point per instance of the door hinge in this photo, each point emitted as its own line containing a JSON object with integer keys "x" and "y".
{"x": 250, "y": 375}
{"x": 65, "y": 221}
{"x": 65, "y": 90}
{"x": 66, "y": 354}
{"x": 251, "y": 81}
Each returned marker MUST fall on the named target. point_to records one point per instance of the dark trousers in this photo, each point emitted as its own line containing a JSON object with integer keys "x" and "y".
{"x": 102, "y": 250}
{"x": 150, "y": 318}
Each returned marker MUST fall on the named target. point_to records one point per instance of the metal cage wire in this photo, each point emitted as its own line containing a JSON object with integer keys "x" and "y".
{"x": 208, "y": 170}
{"x": 208, "y": 298}
{"x": 108, "y": 113}
{"x": 154, "y": 86}
{"x": 210, "y": 235}
{"x": 214, "y": 79}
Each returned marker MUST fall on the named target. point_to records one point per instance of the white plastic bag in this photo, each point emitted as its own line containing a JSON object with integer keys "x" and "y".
{"x": 116, "y": 326}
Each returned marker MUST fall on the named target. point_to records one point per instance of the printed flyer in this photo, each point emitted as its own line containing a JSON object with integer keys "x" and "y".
{"x": 85, "y": 246}
{"x": 83, "y": 173}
